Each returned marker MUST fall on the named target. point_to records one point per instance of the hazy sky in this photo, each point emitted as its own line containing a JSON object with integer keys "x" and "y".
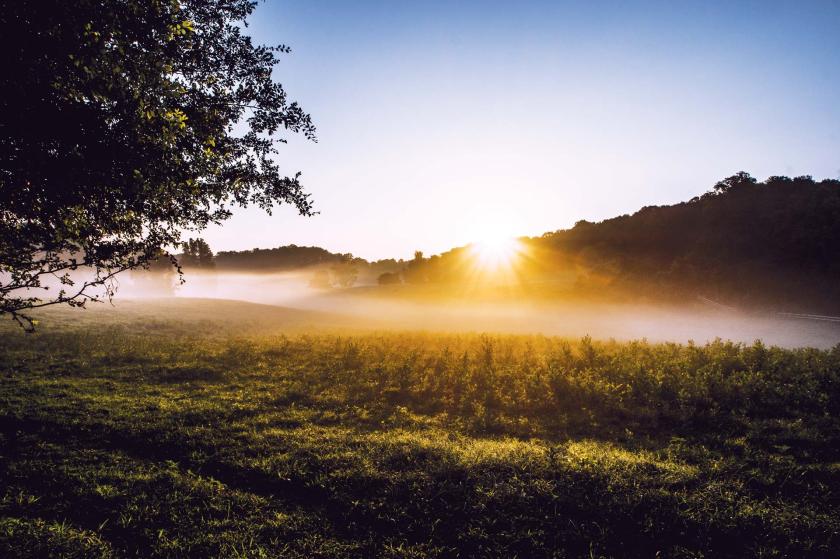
{"x": 439, "y": 121}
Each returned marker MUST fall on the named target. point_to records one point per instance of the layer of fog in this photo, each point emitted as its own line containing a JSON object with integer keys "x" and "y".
{"x": 369, "y": 308}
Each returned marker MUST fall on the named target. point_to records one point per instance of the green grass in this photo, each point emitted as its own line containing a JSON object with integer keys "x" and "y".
{"x": 186, "y": 439}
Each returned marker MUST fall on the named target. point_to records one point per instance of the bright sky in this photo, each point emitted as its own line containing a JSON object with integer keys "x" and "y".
{"x": 442, "y": 122}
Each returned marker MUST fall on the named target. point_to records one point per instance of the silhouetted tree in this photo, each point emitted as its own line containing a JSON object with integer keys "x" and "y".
{"x": 320, "y": 280}
{"x": 122, "y": 124}
{"x": 389, "y": 278}
{"x": 345, "y": 273}
{"x": 197, "y": 254}
{"x": 734, "y": 182}
{"x": 386, "y": 265}
{"x": 415, "y": 271}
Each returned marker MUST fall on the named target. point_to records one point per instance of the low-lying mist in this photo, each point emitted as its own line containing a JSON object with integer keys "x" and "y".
{"x": 400, "y": 307}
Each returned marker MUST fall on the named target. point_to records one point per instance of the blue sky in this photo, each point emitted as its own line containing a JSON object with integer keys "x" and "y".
{"x": 444, "y": 122}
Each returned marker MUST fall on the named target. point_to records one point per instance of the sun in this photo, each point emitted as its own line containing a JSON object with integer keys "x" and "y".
{"x": 496, "y": 252}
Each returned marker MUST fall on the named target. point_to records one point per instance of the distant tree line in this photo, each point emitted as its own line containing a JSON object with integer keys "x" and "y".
{"x": 773, "y": 242}
{"x": 329, "y": 269}
{"x": 277, "y": 259}
{"x": 744, "y": 242}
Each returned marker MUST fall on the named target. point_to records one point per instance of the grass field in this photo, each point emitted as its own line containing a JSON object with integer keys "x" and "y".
{"x": 174, "y": 435}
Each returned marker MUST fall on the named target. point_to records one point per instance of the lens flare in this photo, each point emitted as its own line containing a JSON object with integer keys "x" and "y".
{"x": 496, "y": 252}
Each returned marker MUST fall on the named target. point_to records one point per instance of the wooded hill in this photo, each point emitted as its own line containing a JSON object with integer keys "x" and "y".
{"x": 773, "y": 242}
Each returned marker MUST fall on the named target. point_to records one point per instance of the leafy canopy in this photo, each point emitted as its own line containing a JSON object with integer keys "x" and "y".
{"x": 122, "y": 124}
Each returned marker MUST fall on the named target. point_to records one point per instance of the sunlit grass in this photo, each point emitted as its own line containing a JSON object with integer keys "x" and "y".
{"x": 176, "y": 442}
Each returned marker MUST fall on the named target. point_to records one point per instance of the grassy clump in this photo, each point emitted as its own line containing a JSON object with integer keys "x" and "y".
{"x": 184, "y": 443}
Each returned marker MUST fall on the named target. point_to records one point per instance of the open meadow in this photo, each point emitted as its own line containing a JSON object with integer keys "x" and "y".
{"x": 222, "y": 433}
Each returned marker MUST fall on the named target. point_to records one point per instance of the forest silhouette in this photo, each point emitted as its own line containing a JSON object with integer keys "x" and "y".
{"x": 770, "y": 243}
